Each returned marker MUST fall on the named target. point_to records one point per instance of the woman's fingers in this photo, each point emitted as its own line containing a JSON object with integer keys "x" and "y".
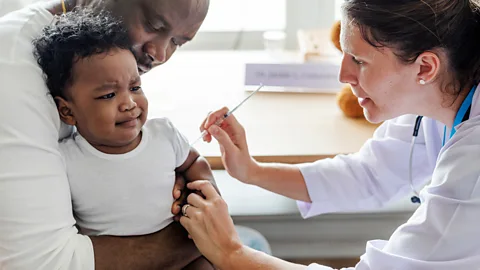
{"x": 207, "y": 137}
{"x": 187, "y": 224}
{"x": 215, "y": 116}
{"x": 210, "y": 227}
{"x": 230, "y": 124}
{"x": 196, "y": 200}
{"x": 191, "y": 211}
{"x": 202, "y": 126}
{"x": 234, "y": 125}
{"x": 223, "y": 139}
{"x": 212, "y": 118}
{"x": 205, "y": 187}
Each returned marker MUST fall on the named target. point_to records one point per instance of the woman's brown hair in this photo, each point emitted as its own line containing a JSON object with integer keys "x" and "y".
{"x": 411, "y": 27}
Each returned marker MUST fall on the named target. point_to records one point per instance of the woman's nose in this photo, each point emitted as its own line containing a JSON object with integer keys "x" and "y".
{"x": 346, "y": 74}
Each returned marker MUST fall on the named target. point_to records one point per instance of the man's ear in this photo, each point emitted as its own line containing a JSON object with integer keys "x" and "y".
{"x": 65, "y": 111}
{"x": 430, "y": 66}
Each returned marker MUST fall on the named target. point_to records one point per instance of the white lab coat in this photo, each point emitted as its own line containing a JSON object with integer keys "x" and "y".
{"x": 444, "y": 232}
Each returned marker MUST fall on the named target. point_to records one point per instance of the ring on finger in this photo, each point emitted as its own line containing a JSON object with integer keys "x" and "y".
{"x": 184, "y": 209}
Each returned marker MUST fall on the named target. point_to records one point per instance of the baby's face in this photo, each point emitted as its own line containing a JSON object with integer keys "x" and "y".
{"x": 106, "y": 99}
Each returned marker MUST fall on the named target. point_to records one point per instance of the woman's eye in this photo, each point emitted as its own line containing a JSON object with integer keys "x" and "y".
{"x": 136, "y": 88}
{"x": 356, "y": 61}
{"x": 107, "y": 96}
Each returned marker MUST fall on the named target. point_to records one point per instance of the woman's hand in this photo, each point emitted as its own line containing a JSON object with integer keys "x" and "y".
{"x": 209, "y": 224}
{"x": 233, "y": 145}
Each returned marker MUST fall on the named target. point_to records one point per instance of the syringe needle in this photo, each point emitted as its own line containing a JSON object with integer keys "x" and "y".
{"x": 205, "y": 132}
{"x": 201, "y": 137}
{"x": 220, "y": 121}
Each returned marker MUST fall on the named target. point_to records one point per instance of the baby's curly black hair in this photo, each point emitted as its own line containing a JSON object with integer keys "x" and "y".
{"x": 74, "y": 36}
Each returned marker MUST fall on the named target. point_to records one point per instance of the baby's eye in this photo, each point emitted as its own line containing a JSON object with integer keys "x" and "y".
{"x": 136, "y": 88}
{"x": 107, "y": 96}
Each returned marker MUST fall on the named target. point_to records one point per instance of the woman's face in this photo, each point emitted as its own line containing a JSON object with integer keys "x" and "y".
{"x": 385, "y": 87}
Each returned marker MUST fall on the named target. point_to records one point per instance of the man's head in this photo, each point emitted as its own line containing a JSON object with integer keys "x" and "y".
{"x": 93, "y": 76}
{"x": 157, "y": 27}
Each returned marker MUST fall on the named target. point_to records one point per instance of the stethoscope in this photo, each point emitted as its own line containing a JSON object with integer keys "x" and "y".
{"x": 462, "y": 115}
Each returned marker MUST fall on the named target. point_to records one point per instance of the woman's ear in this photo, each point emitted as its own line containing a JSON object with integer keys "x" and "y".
{"x": 65, "y": 111}
{"x": 430, "y": 65}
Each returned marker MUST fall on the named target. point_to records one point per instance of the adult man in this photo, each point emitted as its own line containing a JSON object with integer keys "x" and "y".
{"x": 36, "y": 223}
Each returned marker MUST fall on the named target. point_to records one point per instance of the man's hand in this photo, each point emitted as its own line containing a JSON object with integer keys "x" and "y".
{"x": 180, "y": 194}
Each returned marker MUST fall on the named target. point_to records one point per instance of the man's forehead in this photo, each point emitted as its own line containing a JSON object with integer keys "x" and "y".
{"x": 179, "y": 8}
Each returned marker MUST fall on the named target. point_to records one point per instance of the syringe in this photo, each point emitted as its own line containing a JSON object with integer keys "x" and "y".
{"x": 220, "y": 121}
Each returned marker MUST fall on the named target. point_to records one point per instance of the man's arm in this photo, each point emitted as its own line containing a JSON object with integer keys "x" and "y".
{"x": 200, "y": 264}
{"x": 169, "y": 248}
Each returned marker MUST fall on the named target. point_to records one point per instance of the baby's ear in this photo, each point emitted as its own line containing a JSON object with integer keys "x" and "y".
{"x": 65, "y": 111}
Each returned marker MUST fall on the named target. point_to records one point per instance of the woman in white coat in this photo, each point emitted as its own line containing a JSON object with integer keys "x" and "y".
{"x": 402, "y": 59}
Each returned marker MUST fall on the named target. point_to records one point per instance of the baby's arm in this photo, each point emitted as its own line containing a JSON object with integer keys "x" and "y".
{"x": 196, "y": 167}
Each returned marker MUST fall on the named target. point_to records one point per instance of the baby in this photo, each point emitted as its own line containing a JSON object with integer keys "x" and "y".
{"x": 121, "y": 167}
